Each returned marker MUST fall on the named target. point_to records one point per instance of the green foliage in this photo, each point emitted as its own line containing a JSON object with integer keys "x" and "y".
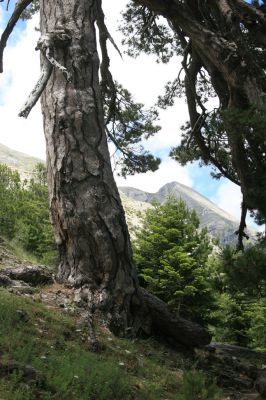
{"x": 241, "y": 316}
{"x": 146, "y": 32}
{"x": 230, "y": 138}
{"x": 245, "y": 272}
{"x": 33, "y": 335}
{"x": 49, "y": 341}
{"x": 10, "y": 191}
{"x": 171, "y": 254}
{"x": 196, "y": 387}
{"x": 32, "y": 9}
{"x": 127, "y": 125}
{"x": 24, "y": 215}
{"x": 233, "y": 320}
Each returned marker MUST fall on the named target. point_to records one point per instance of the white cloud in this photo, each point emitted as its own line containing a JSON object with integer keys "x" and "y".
{"x": 152, "y": 181}
{"x": 21, "y": 71}
{"x": 229, "y": 198}
{"x": 143, "y": 77}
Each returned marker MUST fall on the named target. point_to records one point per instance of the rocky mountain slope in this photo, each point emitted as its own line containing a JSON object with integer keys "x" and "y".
{"x": 219, "y": 223}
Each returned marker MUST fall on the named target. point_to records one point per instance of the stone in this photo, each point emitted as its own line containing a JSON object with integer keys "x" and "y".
{"x": 5, "y": 281}
{"x": 32, "y": 274}
{"x": 260, "y": 383}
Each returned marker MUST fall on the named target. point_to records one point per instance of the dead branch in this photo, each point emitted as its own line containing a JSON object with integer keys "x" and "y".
{"x": 19, "y": 8}
{"x": 46, "y": 45}
{"x": 38, "y": 89}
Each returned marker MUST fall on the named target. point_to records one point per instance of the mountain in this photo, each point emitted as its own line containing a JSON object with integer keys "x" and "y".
{"x": 135, "y": 211}
{"x": 218, "y": 222}
{"x": 135, "y": 201}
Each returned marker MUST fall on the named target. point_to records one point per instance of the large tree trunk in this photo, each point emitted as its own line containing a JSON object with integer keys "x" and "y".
{"x": 87, "y": 214}
{"x": 86, "y": 210}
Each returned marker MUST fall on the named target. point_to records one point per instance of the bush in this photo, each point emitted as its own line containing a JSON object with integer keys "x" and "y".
{"x": 196, "y": 387}
{"x": 10, "y": 191}
{"x": 242, "y": 302}
{"x": 24, "y": 214}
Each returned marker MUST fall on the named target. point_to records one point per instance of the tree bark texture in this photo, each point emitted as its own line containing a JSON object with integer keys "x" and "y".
{"x": 86, "y": 210}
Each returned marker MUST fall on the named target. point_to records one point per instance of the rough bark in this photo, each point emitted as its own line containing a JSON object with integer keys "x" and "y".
{"x": 86, "y": 210}
{"x": 163, "y": 321}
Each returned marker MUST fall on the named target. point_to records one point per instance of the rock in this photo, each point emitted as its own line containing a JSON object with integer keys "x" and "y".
{"x": 28, "y": 373}
{"x": 5, "y": 281}
{"x": 31, "y": 274}
{"x": 22, "y": 288}
{"x": 235, "y": 368}
{"x": 260, "y": 383}
{"x": 81, "y": 296}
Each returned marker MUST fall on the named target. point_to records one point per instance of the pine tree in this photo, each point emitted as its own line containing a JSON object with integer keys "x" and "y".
{"x": 171, "y": 254}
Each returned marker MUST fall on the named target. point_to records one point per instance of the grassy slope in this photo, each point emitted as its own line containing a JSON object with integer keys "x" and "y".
{"x": 53, "y": 343}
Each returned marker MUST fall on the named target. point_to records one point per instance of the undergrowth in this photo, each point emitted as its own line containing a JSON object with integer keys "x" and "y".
{"x": 53, "y": 344}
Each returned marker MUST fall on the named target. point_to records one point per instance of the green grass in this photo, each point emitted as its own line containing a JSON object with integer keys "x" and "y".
{"x": 195, "y": 386}
{"x": 15, "y": 253}
{"x": 53, "y": 343}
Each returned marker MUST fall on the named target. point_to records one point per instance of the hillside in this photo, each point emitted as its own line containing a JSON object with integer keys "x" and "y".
{"x": 219, "y": 223}
{"x": 45, "y": 352}
{"x": 16, "y": 160}
{"x": 135, "y": 211}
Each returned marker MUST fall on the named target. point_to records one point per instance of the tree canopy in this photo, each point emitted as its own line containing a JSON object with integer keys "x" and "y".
{"x": 222, "y": 45}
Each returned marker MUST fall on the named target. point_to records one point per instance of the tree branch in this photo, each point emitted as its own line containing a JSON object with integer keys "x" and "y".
{"x": 251, "y": 10}
{"x": 107, "y": 82}
{"x": 19, "y": 8}
{"x": 242, "y": 225}
{"x": 197, "y": 120}
{"x": 46, "y": 44}
{"x": 38, "y": 89}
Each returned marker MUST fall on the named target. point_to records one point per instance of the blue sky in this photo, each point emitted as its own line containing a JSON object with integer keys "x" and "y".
{"x": 143, "y": 77}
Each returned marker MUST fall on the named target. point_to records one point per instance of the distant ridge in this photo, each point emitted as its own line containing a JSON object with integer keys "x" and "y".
{"x": 218, "y": 222}
{"x": 16, "y": 160}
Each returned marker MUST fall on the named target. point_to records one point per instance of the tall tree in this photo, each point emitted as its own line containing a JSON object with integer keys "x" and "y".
{"x": 88, "y": 218}
{"x": 223, "y": 47}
